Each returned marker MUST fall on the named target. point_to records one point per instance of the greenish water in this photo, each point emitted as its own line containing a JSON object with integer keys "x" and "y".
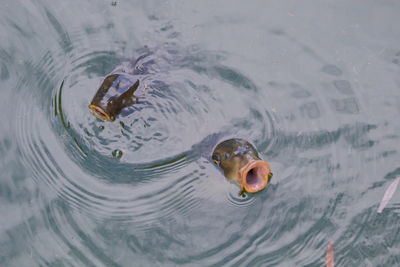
{"x": 314, "y": 85}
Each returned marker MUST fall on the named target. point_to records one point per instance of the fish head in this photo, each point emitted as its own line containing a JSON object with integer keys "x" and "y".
{"x": 114, "y": 94}
{"x": 240, "y": 162}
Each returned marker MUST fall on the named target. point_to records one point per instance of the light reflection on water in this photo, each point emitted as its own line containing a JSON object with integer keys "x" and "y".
{"x": 316, "y": 92}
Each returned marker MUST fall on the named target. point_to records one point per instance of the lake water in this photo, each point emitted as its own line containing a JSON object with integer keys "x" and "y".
{"x": 315, "y": 86}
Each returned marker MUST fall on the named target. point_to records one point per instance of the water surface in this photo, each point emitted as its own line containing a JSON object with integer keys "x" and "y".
{"x": 315, "y": 86}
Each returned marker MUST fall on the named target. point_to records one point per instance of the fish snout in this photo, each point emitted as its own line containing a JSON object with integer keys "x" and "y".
{"x": 254, "y": 176}
{"x": 100, "y": 113}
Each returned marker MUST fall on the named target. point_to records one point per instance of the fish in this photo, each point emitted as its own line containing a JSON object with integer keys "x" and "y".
{"x": 240, "y": 162}
{"x": 114, "y": 94}
{"x": 118, "y": 88}
{"x": 238, "y": 159}
{"x": 388, "y": 194}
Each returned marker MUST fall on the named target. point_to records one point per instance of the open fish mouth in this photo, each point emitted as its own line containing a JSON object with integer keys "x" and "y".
{"x": 254, "y": 176}
{"x": 100, "y": 113}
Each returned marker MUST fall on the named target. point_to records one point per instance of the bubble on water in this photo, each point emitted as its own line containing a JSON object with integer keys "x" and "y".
{"x": 117, "y": 153}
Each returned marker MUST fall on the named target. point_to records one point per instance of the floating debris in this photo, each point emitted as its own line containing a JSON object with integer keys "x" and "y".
{"x": 329, "y": 255}
{"x": 388, "y": 194}
{"x": 114, "y": 3}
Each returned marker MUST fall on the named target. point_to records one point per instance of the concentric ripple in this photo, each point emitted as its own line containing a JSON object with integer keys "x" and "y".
{"x": 320, "y": 106}
{"x": 159, "y": 175}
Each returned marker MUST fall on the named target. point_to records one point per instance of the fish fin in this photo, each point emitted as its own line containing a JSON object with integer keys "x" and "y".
{"x": 126, "y": 102}
{"x": 128, "y": 98}
{"x": 242, "y": 192}
{"x": 270, "y": 176}
{"x": 131, "y": 90}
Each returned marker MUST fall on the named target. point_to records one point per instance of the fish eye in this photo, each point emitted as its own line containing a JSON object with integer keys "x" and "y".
{"x": 216, "y": 159}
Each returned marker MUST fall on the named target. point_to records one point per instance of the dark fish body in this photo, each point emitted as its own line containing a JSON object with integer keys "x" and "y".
{"x": 115, "y": 93}
{"x": 241, "y": 163}
{"x": 117, "y": 89}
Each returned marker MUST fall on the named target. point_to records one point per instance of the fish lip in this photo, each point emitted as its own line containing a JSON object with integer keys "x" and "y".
{"x": 254, "y": 182}
{"x": 100, "y": 113}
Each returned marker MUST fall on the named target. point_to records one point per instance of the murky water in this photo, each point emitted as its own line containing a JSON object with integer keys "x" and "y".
{"x": 315, "y": 86}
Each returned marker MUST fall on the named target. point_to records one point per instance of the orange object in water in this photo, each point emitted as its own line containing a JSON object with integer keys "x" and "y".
{"x": 329, "y": 256}
{"x": 240, "y": 162}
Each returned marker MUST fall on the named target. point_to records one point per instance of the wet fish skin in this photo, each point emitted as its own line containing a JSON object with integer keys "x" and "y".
{"x": 232, "y": 154}
{"x": 114, "y": 94}
{"x": 240, "y": 162}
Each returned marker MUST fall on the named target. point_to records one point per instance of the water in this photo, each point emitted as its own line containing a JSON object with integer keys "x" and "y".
{"x": 315, "y": 86}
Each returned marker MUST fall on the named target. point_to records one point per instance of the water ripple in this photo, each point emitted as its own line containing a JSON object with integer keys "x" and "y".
{"x": 80, "y": 191}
